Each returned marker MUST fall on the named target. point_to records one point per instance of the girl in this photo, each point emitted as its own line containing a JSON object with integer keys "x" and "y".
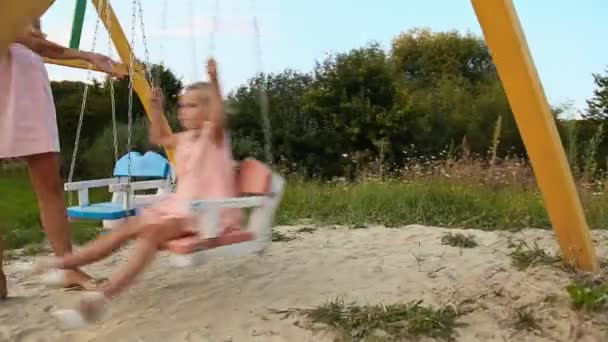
{"x": 28, "y": 131}
{"x": 204, "y": 170}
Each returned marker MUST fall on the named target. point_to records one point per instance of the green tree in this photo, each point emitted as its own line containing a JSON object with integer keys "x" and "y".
{"x": 598, "y": 104}
{"x": 97, "y": 116}
{"x": 421, "y": 57}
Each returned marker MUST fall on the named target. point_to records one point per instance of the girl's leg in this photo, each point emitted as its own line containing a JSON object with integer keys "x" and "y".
{"x": 149, "y": 242}
{"x": 101, "y": 247}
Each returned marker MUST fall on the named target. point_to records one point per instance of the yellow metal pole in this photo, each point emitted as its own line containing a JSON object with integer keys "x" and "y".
{"x": 140, "y": 82}
{"x": 75, "y": 63}
{"x": 16, "y": 15}
{"x": 536, "y": 124}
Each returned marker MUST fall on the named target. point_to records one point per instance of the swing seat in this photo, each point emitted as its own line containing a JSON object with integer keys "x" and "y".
{"x": 259, "y": 189}
{"x": 124, "y": 200}
{"x": 100, "y": 211}
{"x": 191, "y": 244}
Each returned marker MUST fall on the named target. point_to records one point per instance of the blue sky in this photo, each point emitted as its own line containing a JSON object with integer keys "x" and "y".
{"x": 566, "y": 38}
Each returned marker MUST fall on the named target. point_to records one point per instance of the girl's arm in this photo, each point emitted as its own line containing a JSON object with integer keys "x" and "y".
{"x": 217, "y": 116}
{"x": 159, "y": 135}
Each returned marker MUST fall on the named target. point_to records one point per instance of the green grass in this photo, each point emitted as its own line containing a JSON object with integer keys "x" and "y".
{"x": 459, "y": 240}
{"x": 526, "y": 319}
{"x": 394, "y": 203}
{"x": 438, "y": 202}
{"x": 20, "y": 224}
{"x": 393, "y": 322}
{"x": 524, "y": 256}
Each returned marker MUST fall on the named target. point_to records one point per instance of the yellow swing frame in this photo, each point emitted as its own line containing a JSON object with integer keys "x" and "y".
{"x": 510, "y": 53}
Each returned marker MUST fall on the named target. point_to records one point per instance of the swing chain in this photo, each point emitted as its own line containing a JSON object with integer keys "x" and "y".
{"x": 215, "y": 28}
{"x": 164, "y": 10}
{"x": 145, "y": 41}
{"x": 263, "y": 95}
{"x": 111, "y": 82}
{"x": 193, "y": 42}
{"x": 82, "y": 109}
{"x": 130, "y": 110}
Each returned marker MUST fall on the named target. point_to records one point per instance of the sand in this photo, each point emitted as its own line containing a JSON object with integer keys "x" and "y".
{"x": 230, "y": 299}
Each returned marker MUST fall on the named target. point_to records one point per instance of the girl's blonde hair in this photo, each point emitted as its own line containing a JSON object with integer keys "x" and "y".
{"x": 197, "y": 86}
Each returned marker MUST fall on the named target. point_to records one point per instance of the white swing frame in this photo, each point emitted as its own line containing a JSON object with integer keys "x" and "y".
{"x": 260, "y": 223}
{"x": 123, "y": 190}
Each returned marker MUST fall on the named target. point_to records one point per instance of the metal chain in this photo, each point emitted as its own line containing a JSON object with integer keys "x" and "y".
{"x": 164, "y": 15}
{"x": 264, "y": 105}
{"x": 145, "y": 41}
{"x": 193, "y": 40}
{"x": 130, "y": 109}
{"x": 214, "y": 28}
{"x": 111, "y": 81}
{"x": 82, "y": 109}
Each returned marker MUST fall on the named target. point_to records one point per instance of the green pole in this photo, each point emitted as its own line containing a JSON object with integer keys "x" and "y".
{"x": 81, "y": 6}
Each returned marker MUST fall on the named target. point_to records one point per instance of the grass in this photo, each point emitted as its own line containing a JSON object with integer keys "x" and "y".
{"x": 394, "y": 203}
{"x": 589, "y": 292}
{"x": 435, "y": 201}
{"x": 381, "y": 322}
{"x": 524, "y": 256}
{"x": 20, "y": 224}
{"x": 278, "y": 236}
{"x": 459, "y": 240}
{"x": 525, "y": 319}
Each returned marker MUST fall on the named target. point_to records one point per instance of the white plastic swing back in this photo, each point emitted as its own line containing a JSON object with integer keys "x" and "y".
{"x": 259, "y": 189}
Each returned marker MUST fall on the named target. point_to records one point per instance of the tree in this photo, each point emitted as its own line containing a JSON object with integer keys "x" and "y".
{"x": 290, "y": 126}
{"x": 421, "y": 57}
{"x": 598, "y": 104}
{"x": 350, "y": 100}
{"x": 447, "y": 89}
{"x": 68, "y": 98}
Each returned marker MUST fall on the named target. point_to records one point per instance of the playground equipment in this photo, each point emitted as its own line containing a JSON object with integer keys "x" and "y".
{"x": 259, "y": 187}
{"x": 505, "y": 38}
{"x": 124, "y": 199}
{"x": 16, "y": 15}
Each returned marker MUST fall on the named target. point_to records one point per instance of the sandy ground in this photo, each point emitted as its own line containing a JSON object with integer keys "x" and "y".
{"x": 229, "y": 299}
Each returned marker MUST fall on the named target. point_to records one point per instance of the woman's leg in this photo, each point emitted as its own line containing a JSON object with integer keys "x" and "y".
{"x": 3, "y": 289}
{"x": 46, "y": 180}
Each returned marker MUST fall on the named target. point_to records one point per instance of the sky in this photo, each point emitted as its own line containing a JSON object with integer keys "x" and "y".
{"x": 566, "y": 37}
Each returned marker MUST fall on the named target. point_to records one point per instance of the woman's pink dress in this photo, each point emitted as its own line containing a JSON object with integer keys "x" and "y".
{"x": 28, "y": 122}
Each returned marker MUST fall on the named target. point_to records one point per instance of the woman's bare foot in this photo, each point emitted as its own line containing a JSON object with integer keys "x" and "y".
{"x": 68, "y": 279}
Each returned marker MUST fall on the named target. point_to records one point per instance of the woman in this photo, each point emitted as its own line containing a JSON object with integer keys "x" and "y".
{"x": 28, "y": 131}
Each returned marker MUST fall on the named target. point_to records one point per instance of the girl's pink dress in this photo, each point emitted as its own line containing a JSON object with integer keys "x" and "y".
{"x": 28, "y": 122}
{"x": 203, "y": 170}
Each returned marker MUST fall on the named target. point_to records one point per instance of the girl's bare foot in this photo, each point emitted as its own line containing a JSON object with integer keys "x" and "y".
{"x": 92, "y": 308}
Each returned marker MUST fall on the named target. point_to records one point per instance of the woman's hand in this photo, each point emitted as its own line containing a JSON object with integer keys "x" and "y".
{"x": 103, "y": 63}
